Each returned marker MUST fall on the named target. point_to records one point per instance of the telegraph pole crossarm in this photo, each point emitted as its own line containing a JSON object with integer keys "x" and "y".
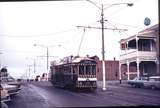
{"x": 114, "y": 29}
{"x": 46, "y": 56}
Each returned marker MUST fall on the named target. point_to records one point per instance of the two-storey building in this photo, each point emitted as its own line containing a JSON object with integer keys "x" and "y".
{"x": 140, "y": 54}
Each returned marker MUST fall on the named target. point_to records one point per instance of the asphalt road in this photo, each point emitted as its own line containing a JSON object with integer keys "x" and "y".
{"x": 44, "y": 95}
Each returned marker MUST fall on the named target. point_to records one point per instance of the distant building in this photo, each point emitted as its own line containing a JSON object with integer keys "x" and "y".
{"x": 140, "y": 54}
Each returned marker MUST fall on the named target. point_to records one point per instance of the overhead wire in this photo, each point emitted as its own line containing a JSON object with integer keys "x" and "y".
{"x": 127, "y": 25}
{"x": 126, "y": 34}
{"x": 120, "y": 9}
{"x": 37, "y": 35}
{"x": 121, "y": 23}
{"x": 120, "y": 30}
{"x": 71, "y": 39}
{"x": 17, "y": 51}
{"x": 40, "y": 35}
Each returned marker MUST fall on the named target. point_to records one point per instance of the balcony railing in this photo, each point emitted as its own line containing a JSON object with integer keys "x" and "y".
{"x": 146, "y": 55}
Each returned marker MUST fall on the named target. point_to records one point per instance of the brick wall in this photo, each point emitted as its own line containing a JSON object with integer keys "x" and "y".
{"x": 112, "y": 70}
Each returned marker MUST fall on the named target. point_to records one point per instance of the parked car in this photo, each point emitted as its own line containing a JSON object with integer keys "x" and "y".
{"x": 153, "y": 82}
{"x": 10, "y": 81}
{"x": 4, "y": 95}
{"x": 3, "y": 105}
{"x": 12, "y": 89}
{"x": 137, "y": 81}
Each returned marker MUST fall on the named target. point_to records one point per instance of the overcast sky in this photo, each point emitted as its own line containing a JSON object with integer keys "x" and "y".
{"x": 52, "y": 23}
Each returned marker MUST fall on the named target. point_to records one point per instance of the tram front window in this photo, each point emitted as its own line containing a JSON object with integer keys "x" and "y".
{"x": 81, "y": 70}
{"x": 93, "y": 70}
{"x": 88, "y": 70}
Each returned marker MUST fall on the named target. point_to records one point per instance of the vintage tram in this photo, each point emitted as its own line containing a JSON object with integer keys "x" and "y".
{"x": 74, "y": 72}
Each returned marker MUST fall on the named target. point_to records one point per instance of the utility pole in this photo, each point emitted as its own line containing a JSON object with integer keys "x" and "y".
{"x": 47, "y": 54}
{"x": 103, "y": 52}
{"x": 47, "y": 58}
{"x": 34, "y": 65}
{"x": 29, "y": 72}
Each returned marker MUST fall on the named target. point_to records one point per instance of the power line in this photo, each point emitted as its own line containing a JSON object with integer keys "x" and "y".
{"x": 41, "y": 35}
{"x": 116, "y": 27}
{"x": 38, "y": 35}
{"x": 120, "y": 9}
{"x": 17, "y": 51}
{"x": 127, "y": 25}
{"x": 38, "y": 0}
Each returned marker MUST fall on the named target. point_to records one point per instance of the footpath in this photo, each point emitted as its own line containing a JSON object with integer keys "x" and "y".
{"x": 113, "y": 83}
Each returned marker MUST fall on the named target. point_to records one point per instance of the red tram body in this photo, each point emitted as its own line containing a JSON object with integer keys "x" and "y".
{"x": 74, "y": 72}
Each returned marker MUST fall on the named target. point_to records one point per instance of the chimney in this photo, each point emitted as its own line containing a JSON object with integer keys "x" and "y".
{"x": 114, "y": 58}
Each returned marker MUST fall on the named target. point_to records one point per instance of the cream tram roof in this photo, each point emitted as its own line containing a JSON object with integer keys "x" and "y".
{"x": 70, "y": 59}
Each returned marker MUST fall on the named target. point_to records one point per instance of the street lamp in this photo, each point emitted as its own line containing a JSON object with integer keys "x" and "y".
{"x": 102, "y": 24}
{"x": 46, "y": 50}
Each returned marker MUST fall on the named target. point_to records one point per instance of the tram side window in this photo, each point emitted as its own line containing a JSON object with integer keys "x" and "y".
{"x": 93, "y": 70}
{"x": 66, "y": 69}
{"x": 74, "y": 69}
{"x": 81, "y": 70}
{"x": 69, "y": 70}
